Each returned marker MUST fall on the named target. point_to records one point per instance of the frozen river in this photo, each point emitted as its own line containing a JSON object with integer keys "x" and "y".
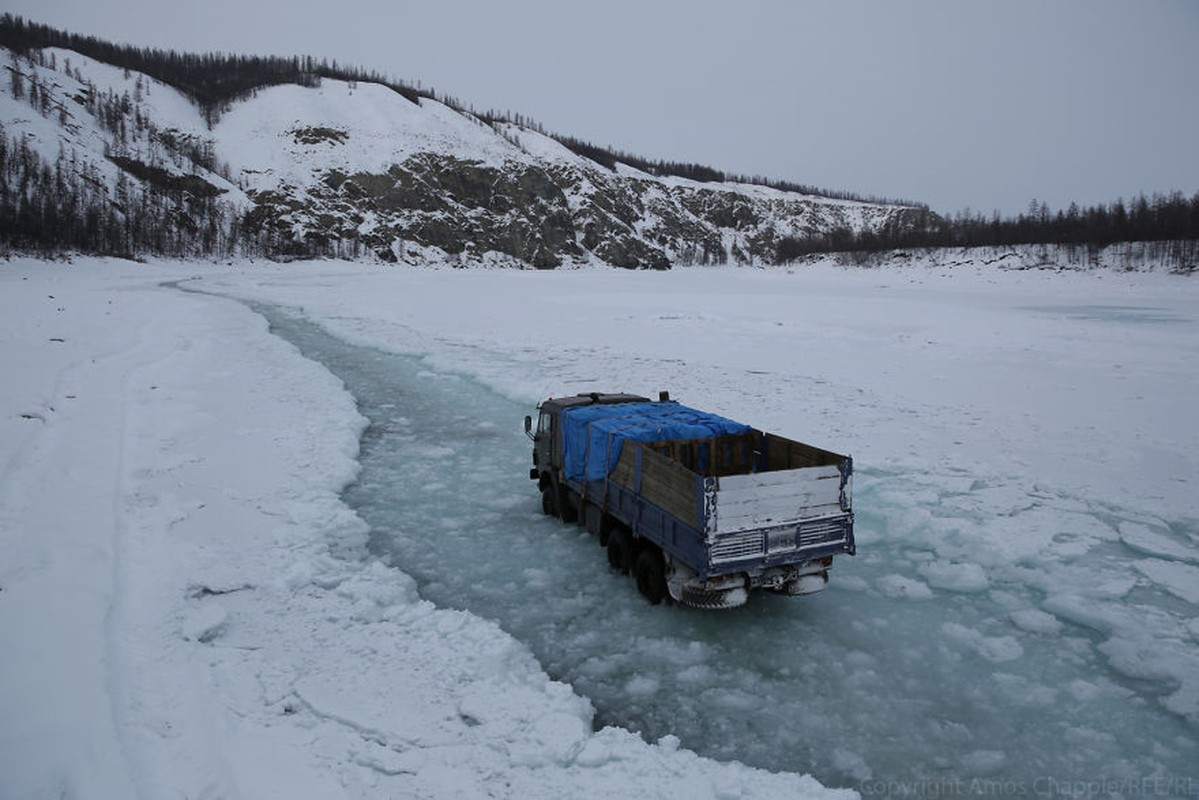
{"x": 212, "y": 613}
{"x": 940, "y": 657}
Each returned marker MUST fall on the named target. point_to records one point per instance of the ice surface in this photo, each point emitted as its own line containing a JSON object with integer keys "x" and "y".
{"x": 207, "y": 616}
{"x": 188, "y": 608}
{"x": 725, "y": 688}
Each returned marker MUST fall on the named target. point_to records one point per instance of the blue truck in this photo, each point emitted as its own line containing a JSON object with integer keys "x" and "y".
{"x": 701, "y": 509}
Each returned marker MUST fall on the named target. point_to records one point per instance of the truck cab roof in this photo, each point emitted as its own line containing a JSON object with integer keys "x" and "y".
{"x": 589, "y": 398}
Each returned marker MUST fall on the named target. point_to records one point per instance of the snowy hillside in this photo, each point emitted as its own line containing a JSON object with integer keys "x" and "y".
{"x": 357, "y": 169}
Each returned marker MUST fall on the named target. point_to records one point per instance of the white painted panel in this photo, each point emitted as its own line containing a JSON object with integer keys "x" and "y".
{"x": 778, "y": 477}
{"x": 798, "y": 481}
{"x": 774, "y": 498}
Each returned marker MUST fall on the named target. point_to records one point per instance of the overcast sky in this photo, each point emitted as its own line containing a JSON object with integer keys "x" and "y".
{"x": 954, "y": 103}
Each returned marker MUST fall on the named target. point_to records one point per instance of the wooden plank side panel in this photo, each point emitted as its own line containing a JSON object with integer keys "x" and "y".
{"x": 625, "y": 468}
{"x": 719, "y": 455}
{"x": 784, "y": 453}
{"x": 669, "y": 485}
{"x": 782, "y": 479}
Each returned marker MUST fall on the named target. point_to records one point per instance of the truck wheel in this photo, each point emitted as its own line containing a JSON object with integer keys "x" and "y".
{"x": 650, "y": 572}
{"x": 620, "y": 550}
{"x": 565, "y": 509}
{"x": 548, "y": 506}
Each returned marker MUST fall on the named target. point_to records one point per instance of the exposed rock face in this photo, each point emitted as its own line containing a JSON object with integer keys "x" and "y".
{"x": 547, "y": 215}
{"x": 443, "y": 183}
{"x": 458, "y": 206}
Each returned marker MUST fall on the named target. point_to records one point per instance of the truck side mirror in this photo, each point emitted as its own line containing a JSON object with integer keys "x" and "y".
{"x": 528, "y": 425}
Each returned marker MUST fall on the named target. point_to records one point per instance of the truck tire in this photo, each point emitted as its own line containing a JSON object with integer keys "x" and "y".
{"x": 620, "y": 550}
{"x": 728, "y": 598}
{"x": 650, "y": 571}
{"x": 549, "y": 506}
{"x": 566, "y": 509}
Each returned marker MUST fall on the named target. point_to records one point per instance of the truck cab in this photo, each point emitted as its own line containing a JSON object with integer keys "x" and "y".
{"x": 556, "y": 498}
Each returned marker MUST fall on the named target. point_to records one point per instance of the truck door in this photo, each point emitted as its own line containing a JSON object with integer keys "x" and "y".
{"x": 543, "y": 442}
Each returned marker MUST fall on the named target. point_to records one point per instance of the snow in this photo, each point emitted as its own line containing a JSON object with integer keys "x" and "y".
{"x": 68, "y": 131}
{"x": 185, "y": 601}
{"x": 163, "y": 104}
{"x": 380, "y": 128}
{"x": 190, "y": 608}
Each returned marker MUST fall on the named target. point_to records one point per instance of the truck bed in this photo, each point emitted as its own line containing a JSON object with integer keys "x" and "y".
{"x": 731, "y": 483}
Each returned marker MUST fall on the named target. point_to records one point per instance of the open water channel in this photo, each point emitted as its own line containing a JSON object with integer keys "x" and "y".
{"x": 859, "y": 685}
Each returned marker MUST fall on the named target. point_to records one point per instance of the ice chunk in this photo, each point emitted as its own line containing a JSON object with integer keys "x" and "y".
{"x": 642, "y": 685}
{"x": 993, "y": 648}
{"x": 205, "y": 623}
{"x": 1036, "y": 621}
{"x": 954, "y": 577}
{"x": 1022, "y": 691}
{"x": 555, "y": 738}
{"x": 1180, "y": 580}
{"x": 903, "y": 588}
{"x": 852, "y": 764}
{"x": 1144, "y": 540}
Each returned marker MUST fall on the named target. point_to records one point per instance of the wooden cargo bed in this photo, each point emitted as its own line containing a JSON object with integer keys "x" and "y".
{"x": 671, "y": 474}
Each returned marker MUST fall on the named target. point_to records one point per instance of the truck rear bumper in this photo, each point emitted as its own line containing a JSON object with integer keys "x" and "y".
{"x": 732, "y": 589}
{"x": 793, "y": 579}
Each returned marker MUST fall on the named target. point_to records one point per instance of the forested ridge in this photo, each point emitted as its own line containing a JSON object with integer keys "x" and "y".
{"x": 211, "y": 80}
{"x": 1156, "y": 218}
{"x": 65, "y": 205}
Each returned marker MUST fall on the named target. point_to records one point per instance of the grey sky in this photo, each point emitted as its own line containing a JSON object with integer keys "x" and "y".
{"x": 956, "y": 103}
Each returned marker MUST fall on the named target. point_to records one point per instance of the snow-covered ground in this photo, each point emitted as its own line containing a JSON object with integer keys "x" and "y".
{"x": 189, "y": 608}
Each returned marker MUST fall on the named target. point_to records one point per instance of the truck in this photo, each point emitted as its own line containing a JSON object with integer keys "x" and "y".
{"x": 701, "y": 509}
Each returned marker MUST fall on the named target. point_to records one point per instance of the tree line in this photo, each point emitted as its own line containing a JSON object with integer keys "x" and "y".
{"x": 608, "y": 157}
{"x": 66, "y": 206}
{"x": 211, "y": 80}
{"x": 1160, "y": 217}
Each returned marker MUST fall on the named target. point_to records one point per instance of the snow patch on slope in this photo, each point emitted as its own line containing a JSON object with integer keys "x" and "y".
{"x": 373, "y": 128}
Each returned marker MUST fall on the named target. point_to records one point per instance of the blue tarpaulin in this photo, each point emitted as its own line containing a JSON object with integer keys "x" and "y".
{"x": 592, "y": 435}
